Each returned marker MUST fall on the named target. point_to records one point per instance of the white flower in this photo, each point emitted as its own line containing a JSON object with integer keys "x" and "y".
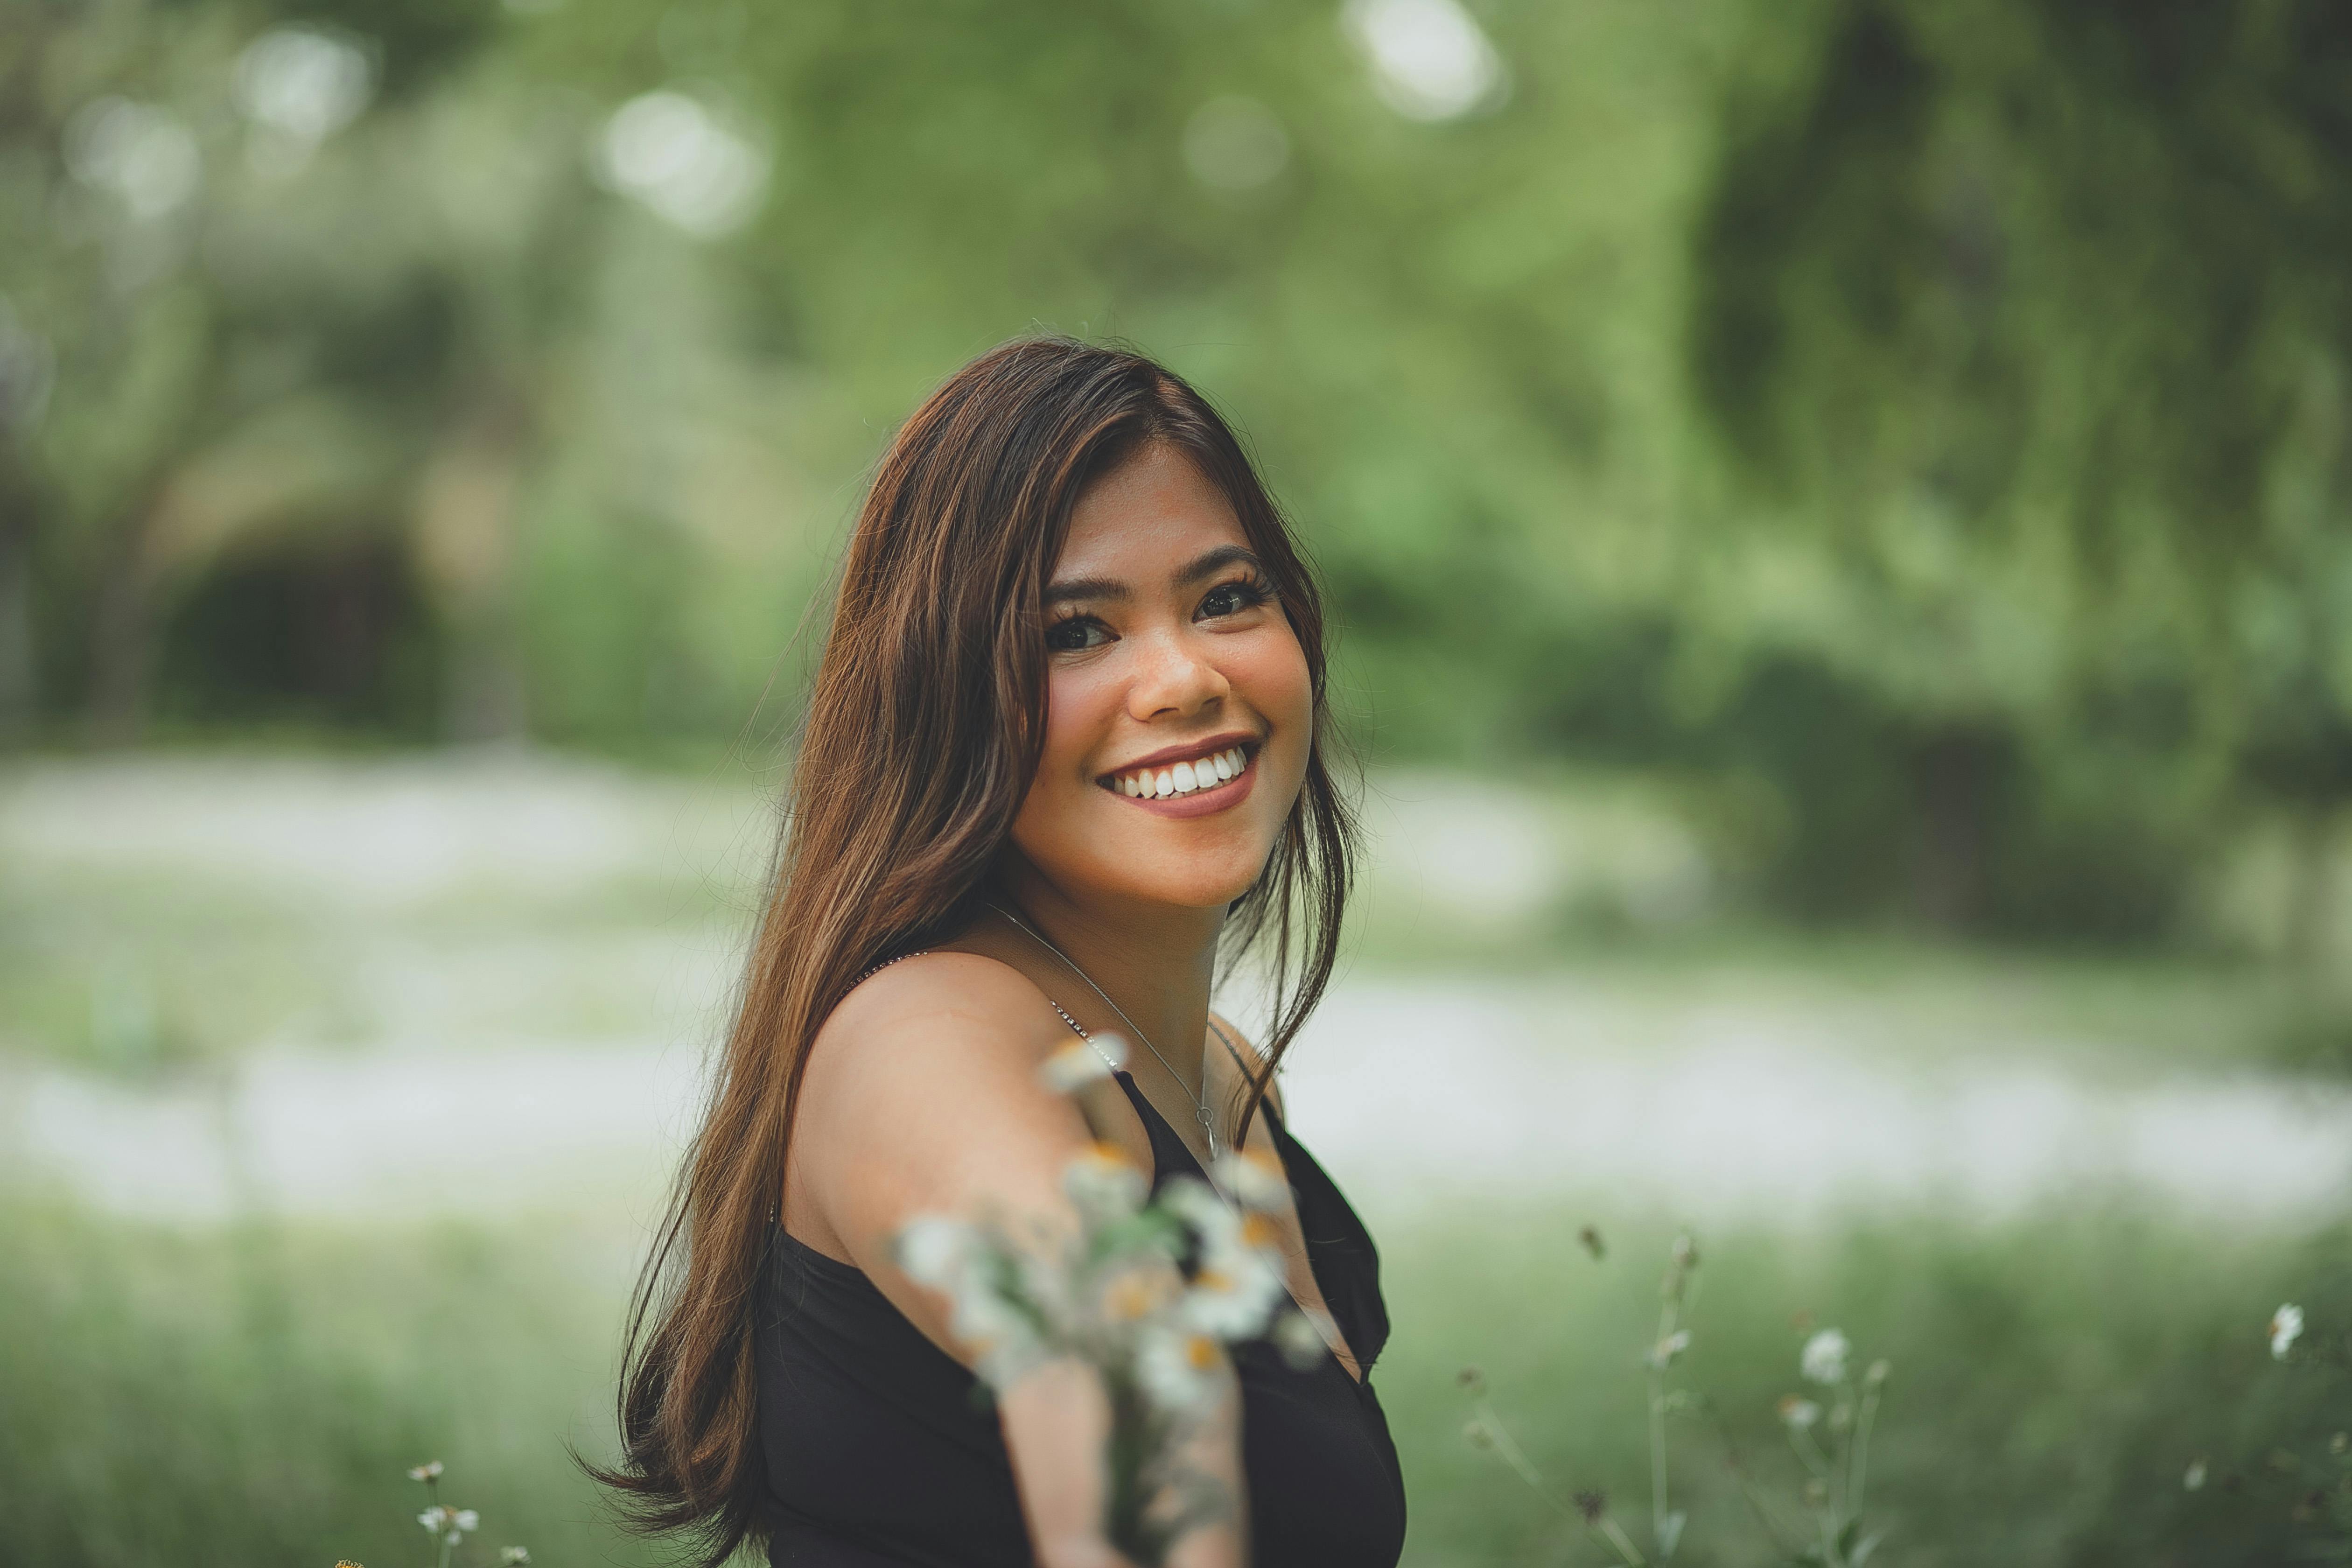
{"x": 428, "y": 1471}
{"x": 1082, "y": 1062}
{"x": 2193, "y": 1478}
{"x": 1663, "y": 1353}
{"x": 1132, "y": 1293}
{"x": 447, "y": 1523}
{"x": 1799, "y": 1412}
{"x": 1105, "y": 1184}
{"x": 991, "y": 1319}
{"x": 514, "y": 1557}
{"x": 1230, "y": 1298}
{"x": 1256, "y": 1181}
{"x": 1240, "y": 1277}
{"x": 1823, "y": 1358}
{"x": 935, "y": 1251}
{"x": 1180, "y": 1372}
{"x": 2286, "y": 1327}
{"x": 985, "y": 1280}
{"x": 1302, "y": 1344}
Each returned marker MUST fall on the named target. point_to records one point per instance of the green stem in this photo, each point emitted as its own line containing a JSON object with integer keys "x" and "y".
{"x": 1511, "y": 1455}
{"x": 1510, "y": 1452}
{"x": 1657, "y": 1455}
{"x": 1737, "y": 1466}
{"x": 1625, "y": 1547}
{"x": 1862, "y": 1450}
{"x": 1811, "y": 1452}
{"x": 1669, "y": 1316}
{"x": 1841, "y": 1467}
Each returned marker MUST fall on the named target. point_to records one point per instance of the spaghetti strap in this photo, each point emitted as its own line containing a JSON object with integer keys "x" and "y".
{"x": 886, "y": 963}
{"x": 1227, "y": 1040}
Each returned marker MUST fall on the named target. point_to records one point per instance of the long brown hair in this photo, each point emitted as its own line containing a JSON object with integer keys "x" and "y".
{"x": 921, "y": 740}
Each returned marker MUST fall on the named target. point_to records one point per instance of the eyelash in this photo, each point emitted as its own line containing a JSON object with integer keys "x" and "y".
{"x": 1253, "y": 591}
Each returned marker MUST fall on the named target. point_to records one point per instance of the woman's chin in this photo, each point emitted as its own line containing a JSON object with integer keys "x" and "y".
{"x": 1190, "y": 887}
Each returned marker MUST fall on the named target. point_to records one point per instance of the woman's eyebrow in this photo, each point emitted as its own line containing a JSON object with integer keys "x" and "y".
{"x": 1070, "y": 588}
{"x": 1203, "y": 567}
{"x": 1216, "y": 561}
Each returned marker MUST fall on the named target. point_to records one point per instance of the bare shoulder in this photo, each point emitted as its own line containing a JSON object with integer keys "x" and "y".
{"x": 1251, "y": 1057}
{"x": 922, "y": 1094}
{"x": 954, "y": 1012}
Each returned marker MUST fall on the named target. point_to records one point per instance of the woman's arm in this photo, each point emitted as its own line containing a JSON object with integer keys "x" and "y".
{"x": 921, "y": 1096}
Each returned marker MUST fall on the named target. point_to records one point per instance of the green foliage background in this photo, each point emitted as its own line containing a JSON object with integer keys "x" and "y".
{"x": 1921, "y": 428}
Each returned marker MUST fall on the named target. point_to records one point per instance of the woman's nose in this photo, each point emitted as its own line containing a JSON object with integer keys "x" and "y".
{"x": 1174, "y": 680}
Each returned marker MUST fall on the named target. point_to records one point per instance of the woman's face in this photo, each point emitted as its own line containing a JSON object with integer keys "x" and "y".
{"x": 1179, "y": 710}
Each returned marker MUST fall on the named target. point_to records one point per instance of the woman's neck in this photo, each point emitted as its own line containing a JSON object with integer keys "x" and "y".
{"x": 1155, "y": 962}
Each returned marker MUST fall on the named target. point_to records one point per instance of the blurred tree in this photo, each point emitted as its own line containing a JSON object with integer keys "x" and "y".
{"x": 2035, "y": 317}
{"x": 1930, "y": 427}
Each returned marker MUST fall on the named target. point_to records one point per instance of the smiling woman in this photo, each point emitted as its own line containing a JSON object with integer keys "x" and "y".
{"x": 1066, "y": 753}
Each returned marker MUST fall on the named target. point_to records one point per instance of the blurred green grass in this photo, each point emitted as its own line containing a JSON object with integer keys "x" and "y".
{"x": 252, "y": 1396}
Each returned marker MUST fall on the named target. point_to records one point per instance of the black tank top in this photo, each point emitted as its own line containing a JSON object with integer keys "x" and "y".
{"x": 882, "y": 1451}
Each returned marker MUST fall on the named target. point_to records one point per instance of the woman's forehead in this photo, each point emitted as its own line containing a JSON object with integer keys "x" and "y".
{"x": 1145, "y": 519}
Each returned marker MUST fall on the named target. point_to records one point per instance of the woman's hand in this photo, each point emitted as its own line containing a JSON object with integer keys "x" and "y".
{"x": 1056, "y": 1422}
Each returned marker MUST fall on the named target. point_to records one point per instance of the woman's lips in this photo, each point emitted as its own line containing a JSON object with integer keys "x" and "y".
{"x": 1203, "y": 800}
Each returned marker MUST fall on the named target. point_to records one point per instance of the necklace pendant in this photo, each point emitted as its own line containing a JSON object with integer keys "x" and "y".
{"x": 1208, "y": 1131}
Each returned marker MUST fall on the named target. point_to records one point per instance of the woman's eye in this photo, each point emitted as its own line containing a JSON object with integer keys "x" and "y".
{"x": 1231, "y": 598}
{"x": 1076, "y": 634}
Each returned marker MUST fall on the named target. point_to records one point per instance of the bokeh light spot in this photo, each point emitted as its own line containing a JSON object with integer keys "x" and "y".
{"x": 1235, "y": 144}
{"x": 1429, "y": 59}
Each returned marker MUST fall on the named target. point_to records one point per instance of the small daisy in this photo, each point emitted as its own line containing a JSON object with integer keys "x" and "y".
{"x": 1131, "y": 1295}
{"x": 2286, "y": 1327}
{"x": 1082, "y": 1062}
{"x": 1181, "y": 1371}
{"x": 428, "y": 1471}
{"x": 933, "y": 1250}
{"x": 1799, "y": 1413}
{"x": 1231, "y": 1298}
{"x": 448, "y": 1525}
{"x": 1256, "y": 1180}
{"x": 1823, "y": 1358}
{"x": 1302, "y": 1344}
{"x": 1105, "y": 1184}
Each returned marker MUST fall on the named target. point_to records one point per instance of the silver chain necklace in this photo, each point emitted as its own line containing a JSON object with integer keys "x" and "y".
{"x": 1200, "y": 1112}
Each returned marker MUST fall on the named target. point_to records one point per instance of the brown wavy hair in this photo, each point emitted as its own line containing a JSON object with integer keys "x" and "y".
{"x": 921, "y": 739}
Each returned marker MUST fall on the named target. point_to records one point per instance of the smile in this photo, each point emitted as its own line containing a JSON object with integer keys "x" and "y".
{"x": 1201, "y": 774}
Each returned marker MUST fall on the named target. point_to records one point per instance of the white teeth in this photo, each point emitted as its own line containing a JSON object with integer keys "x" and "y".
{"x": 1184, "y": 778}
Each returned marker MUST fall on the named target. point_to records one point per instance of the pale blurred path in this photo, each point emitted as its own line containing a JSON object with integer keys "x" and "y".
{"x": 528, "y": 956}
{"x": 1411, "y": 1093}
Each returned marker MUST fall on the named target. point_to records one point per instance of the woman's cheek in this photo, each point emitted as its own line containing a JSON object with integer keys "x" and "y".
{"x": 1075, "y": 713}
{"x": 1274, "y": 681}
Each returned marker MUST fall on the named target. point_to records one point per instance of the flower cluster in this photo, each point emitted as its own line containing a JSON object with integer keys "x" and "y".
{"x": 1833, "y": 1444}
{"x": 1148, "y": 1291}
{"x": 448, "y": 1526}
{"x": 1839, "y": 1462}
